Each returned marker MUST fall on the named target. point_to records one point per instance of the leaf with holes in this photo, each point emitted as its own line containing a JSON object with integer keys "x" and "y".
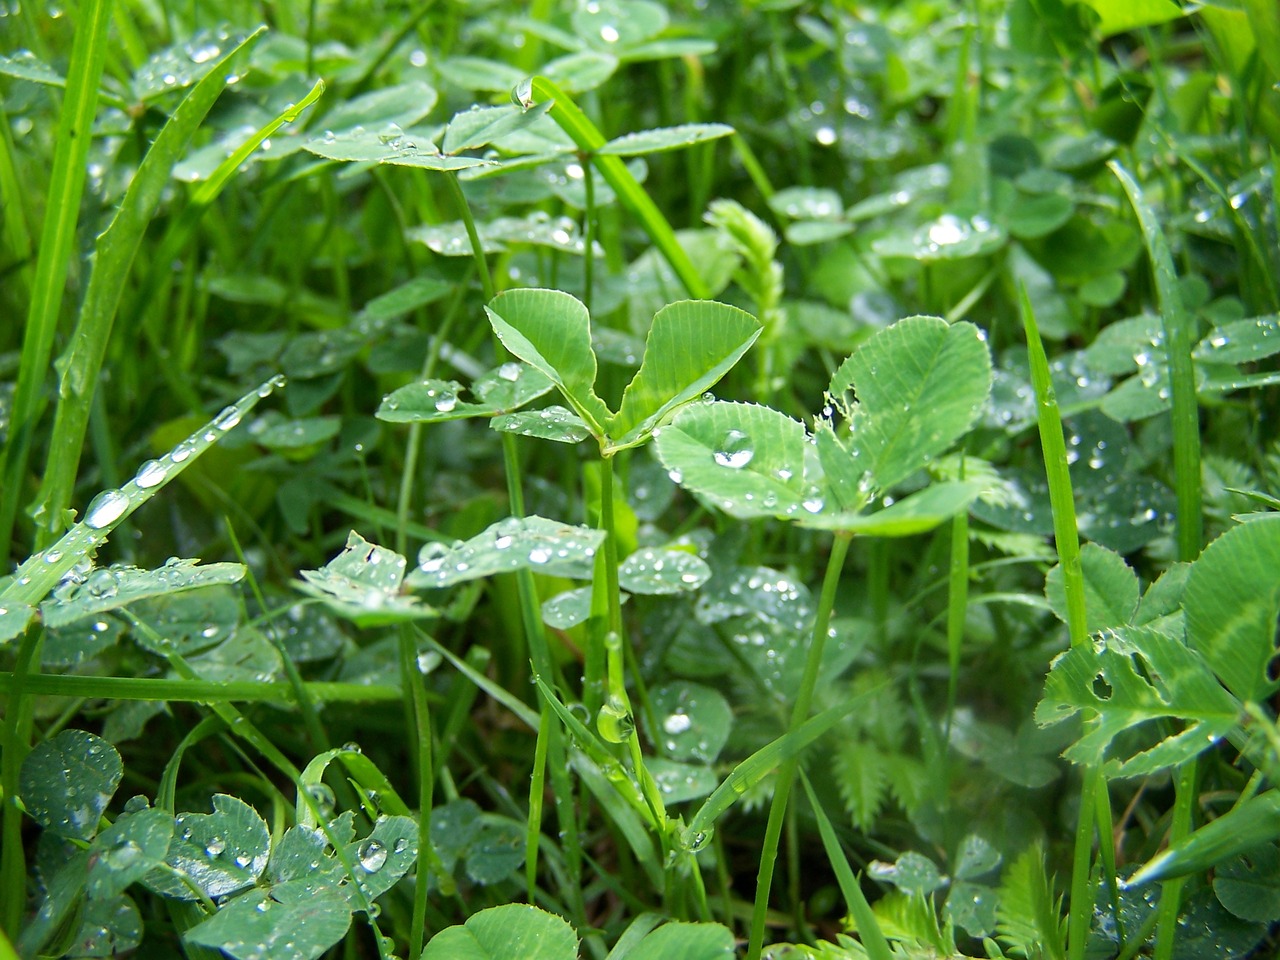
{"x": 363, "y": 584}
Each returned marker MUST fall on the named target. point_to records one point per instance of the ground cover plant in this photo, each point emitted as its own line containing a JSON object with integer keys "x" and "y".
{"x": 626, "y": 480}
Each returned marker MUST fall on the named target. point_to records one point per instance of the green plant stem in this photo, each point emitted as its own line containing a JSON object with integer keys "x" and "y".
{"x": 787, "y": 770}
{"x": 1171, "y": 889}
{"x": 57, "y": 240}
{"x": 633, "y": 196}
{"x": 17, "y": 740}
{"x": 957, "y": 602}
{"x": 420, "y": 746}
{"x": 194, "y": 691}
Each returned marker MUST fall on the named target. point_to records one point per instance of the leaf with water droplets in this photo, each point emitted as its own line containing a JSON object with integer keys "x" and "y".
{"x": 581, "y": 71}
{"x": 1241, "y": 341}
{"x": 14, "y": 617}
{"x": 480, "y": 126}
{"x": 67, "y": 781}
{"x": 617, "y": 24}
{"x": 921, "y": 511}
{"x": 384, "y": 856}
{"x": 920, "y": 386}
{"x": 568, "y": 609}
{"x": 948, "y": 238}
{"x": 691, "y": 345}
{"x": 692, "y": 721}
{"x": 912, "y": 873}
{"x": 507, "y": 931}
{"x": 533, "y": 543}
{"x": 290, "y": 921}
{"x": 128, "y": 850}
{"x": 363, "y": 584}
{"x": 1134, "y": 675}
{"x": 550, "y": 423}
{"x": 552, "y": 331}
{"x": 749, "y": 460}
{"x": 665, "y": 138}
{"x": 110, "y": 588}
{"x": 25, "y": 65}
{"x": 680, "y": 782}
{"x": 275, "y": 431}
{"x": 219, "y": 852}
{"x": 653, "y": 570}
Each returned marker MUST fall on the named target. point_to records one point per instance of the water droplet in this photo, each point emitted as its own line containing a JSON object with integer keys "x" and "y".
{"x": 735, "y": 450}
{"x": 614, "y": 721}
{"x": 677, "y": 723}
{"x": 151, "y": 474}
{"x": 509, "y": 371}
{"x": 106, "y": 508}
{"x": 373, "y": 856}
{"x": 215, "y": 847}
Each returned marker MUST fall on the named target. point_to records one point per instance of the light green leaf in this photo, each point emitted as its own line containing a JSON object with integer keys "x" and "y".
{"x": 1231, "y": 602}
{"x": 911, "y": 873}
{"x": 652, "y": 570}
{"x": 478, "y": 73}
{"x": 275, "y": 431}
{"x": 219, "y": 853}
{"x": 534, "y": 543}
{"x": 686, "y": 941}
{"x": 1110, "y": 585}
{"x": 384, "y": 856}
{"x": 920, "y": 385}
{"x": 948, "y": 238}
{"x": 581, "y": 71}
{"x": 618, "y": 24}
{"x": 127, "y": 851}
{"x": 501, "y": 390}
{"x": 363, "y": 584}
{"x": 691, "y": 345}
{"x": 14, "y": 617}
{"x": 1120, "y": 16}
{"x": 67, "y": 781}
{"x": 680, "y": 782}
{"x": 505, "y": 933}
{"x": 552, "y": 331}
{"x": 807, "y": 203}
{"x": 1135, "y": 675}
{"x": 403, "y": 104}
{"x": 914, "y": 514}
{"x": 496, "y": 850}
{"x": 1242, "y": 341}
{"x": 693, "y": 721}
{"x": 568, "y": 609}
{"x": 480, "y": 126}
{"x": 748, "y": 459}
{"x": 291, "y": 921}
{"x": 666, "y": 138}
{"x": 550, "y": 423}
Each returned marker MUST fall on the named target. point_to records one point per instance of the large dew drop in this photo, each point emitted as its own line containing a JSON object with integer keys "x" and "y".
{"x": 735, "y": 450}
{"x": 106, "y": 508}
{"x": 373, "y": 856}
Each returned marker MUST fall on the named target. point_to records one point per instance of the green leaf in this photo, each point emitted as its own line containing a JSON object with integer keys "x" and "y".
{"x": 666, "y": 138}
{"x": 920, "y": 385}
{"x": 128, "y": 850}
{"x": 403, "y": 104}
{"x": 363, "y": 584}
{"x": 691, "y": 345}
{"x": 1110, "y": 585}
{"x": 921, "y": 511}
{"x": 693, "y": 721}
{"x": 14, "y": 617}
{"x": 552, "y": 331}
{"x": 109, "y": 588}
{"x": 1249, "y": 884}
{"x": 1242, "y": 341}
{"x": 568, "y": 609}
{"x": 1231, "y": 602}
{"x": 686, "y": 941}
{"x": 975, "y": 857}
{"x": 948, "y": 238}
{"x": 275, "y": 431}
{"x": 1029, "y": 916}
{"x": 550, "y": 423}
{"x": 862, "y": 777}
{"x": 218, "y": 853}
{"x": 505, "y": 933}
{"x": 533, "y": 543}
{"x": 67, "y": 781}
{"x": 652, "y": 570}
{"x": 911, "y": 873}
{"x": 291, "y": 921}
{"x": 1120, "y": 16}
{"x": 108, "y": 928}
{"x": 496, "y": 850}
{"x": 480, "y": 126}
{"x": 1246, "y": 826}
{"x": 1136, "y": 675}
{"x": 748, "y": 459}
{"x": 618, "y": 24}
{"x": 681, "y": 782}
{"x": 384, "y": 856}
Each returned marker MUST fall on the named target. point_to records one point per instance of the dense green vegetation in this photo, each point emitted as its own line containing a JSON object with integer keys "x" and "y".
{"x": 620, "y": 480}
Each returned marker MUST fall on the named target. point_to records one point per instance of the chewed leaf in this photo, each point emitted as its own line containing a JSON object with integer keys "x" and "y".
{"x": 666, "y": 138}
{"x": 1231, "y": 601}
{"x": 535, "y": 543}
{"x": 691, "y": 345}
{"x": 219, "y": 852}
{"x": 1129, "y": 677}
{"x": 653, "y": 570}
{"x": 109, "y": 588}
{"x": 748, "y": 459}
{"x": 14, "y": 617}
{"x": 920, "y": 385}
{"x": 67, "y": 781}
{"x": 550, "y": 423}
{"x": 363, "y": 584}
{"x": 552, "y": 331}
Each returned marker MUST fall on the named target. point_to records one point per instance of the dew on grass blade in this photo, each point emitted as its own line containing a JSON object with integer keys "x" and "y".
{"x": 105, "y": 509}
